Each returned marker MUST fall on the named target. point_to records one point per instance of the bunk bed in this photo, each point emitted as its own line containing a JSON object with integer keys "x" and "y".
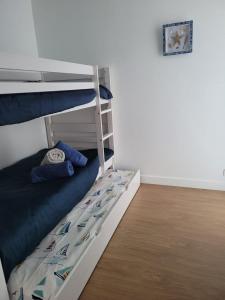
{"x": 57, "y": 231}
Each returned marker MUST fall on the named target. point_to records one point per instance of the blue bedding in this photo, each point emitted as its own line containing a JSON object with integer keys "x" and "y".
{"x": 28, "y": 212}
{"x": 18, "y": 108}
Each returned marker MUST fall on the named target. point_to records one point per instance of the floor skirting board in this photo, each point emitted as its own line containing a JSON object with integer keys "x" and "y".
{"x": 184, "y": 182}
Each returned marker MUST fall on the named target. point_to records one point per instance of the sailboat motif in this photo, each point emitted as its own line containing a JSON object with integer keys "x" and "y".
{"x": 38, "y": 294}
{"x": 82, "y": 224}
{"x": 42, "y": 282}
{"x": 63, "y": 250}
{"x": 100, "y": 215}
{"x": 97, "y": 206}
{"x": 88, "y": 202}
{"x": 97, "y": 193}
{"x": 50, "y": 247}
{"x": 62, "y": 274}
{"x": 109, "y": 190}
{"x": 123, "y": 183}
{"x": 65, "y": 228}
{"x": 85, "y": 237}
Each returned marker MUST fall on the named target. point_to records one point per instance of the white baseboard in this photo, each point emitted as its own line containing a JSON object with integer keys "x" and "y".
{"x": 184, "y": 182}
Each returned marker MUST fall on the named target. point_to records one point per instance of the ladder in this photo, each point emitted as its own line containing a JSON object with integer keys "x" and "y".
{"x": 101, "y": 136}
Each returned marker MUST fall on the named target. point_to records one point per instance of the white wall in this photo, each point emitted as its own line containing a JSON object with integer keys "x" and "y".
{"x": 169, "y": 110}
{"x": 17, "y": 35}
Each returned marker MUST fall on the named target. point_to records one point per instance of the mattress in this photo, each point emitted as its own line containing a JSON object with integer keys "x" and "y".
{"x": 42, "y": 274}
{"x": 28, "y": 212}
{"x": 18, "y": 108}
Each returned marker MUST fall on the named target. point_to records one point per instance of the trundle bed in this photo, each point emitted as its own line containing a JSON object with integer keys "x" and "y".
{"x": 52, "y": 234}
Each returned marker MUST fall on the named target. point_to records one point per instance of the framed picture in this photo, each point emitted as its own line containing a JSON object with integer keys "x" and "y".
{"x": 177, "y": 38}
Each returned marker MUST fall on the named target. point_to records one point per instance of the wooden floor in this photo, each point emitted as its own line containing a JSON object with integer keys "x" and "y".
{"x": 170, "y": 245}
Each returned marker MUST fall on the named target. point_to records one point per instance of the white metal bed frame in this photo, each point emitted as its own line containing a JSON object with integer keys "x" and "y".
{"x": 38, "y": 71}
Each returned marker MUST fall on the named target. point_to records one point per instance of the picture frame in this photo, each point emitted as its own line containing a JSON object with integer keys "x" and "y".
{"x": 178, "y": 38}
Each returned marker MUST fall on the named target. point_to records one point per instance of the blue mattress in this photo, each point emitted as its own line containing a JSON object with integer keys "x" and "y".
{"x": 18, "y": 108}
{"x": 28, "y": 212}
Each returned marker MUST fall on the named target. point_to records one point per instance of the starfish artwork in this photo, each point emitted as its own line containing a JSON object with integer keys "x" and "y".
{"x": 177, "y": 38}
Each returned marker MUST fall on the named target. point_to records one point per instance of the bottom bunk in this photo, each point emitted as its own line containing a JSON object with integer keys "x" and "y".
{"x": 28, "y": 212}
{"x": 63, "y": 262}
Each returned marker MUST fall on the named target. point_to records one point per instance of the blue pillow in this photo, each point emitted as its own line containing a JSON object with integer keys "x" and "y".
{"x": 52, "y": 171}
{"x": 77, "y": 158}
{"x": 105, "y": 93}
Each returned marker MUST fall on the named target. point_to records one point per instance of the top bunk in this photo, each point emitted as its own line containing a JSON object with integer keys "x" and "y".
{"x": 24, "y": 80}
{"x": 14, "y": 69}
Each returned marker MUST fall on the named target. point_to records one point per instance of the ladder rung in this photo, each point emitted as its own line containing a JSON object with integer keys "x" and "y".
{"x": 105, "y": 111}
{"x": 107, "y": 136}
